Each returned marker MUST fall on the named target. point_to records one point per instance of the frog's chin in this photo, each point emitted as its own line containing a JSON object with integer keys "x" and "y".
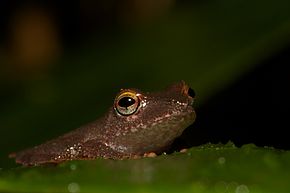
{"x": 154, "y": 138}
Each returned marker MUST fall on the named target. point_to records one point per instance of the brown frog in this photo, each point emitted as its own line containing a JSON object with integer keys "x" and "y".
{"x": 137, "y": 124}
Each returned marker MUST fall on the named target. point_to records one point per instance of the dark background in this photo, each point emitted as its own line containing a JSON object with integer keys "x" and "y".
{"x": 255, "y": 109}
{"x": 61, "y": 64}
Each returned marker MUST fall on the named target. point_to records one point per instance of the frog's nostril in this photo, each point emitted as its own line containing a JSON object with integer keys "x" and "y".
{"x": 191, "y": 92}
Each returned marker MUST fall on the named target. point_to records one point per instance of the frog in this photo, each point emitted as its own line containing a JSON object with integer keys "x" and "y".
{"x": 138, "y": 123}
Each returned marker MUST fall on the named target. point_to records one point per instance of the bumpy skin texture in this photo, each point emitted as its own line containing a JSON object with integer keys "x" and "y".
{"x": 161, "y": 117}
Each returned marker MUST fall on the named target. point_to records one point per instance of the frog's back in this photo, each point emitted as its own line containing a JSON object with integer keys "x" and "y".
{"x": 68, "y": 146}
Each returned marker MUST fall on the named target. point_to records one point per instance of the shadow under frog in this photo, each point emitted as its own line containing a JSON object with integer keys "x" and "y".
{"x": 138, "y": 123}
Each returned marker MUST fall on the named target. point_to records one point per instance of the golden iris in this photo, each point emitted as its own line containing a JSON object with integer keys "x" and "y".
{"x": 127, "y": 103}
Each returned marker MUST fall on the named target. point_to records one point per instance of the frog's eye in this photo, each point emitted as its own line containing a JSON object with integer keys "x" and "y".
{"x": 127, "y": 103}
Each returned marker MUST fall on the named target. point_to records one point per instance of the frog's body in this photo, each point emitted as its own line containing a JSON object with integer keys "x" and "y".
{"x": 138, "y": 123}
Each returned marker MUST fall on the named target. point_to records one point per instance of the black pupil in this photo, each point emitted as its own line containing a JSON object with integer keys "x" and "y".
{"x": 191, "y": 92}
{"x": 126, "y": 102}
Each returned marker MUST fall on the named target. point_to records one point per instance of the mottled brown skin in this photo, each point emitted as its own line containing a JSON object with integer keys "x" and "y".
{"x": 161, "y": 117}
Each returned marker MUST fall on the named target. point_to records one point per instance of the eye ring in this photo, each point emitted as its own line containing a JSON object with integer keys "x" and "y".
{"x": 127, "y": 103}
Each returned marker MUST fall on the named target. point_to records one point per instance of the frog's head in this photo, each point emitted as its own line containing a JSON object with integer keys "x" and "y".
{"x": 149, "y": 122}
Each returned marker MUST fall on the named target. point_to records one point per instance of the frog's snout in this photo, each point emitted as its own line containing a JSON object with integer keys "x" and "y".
{"x": 186, "y": 90}
{"x": 189, "y": 92}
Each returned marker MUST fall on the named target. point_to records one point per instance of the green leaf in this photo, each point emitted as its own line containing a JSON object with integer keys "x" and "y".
{"x": 208, "y": 168}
